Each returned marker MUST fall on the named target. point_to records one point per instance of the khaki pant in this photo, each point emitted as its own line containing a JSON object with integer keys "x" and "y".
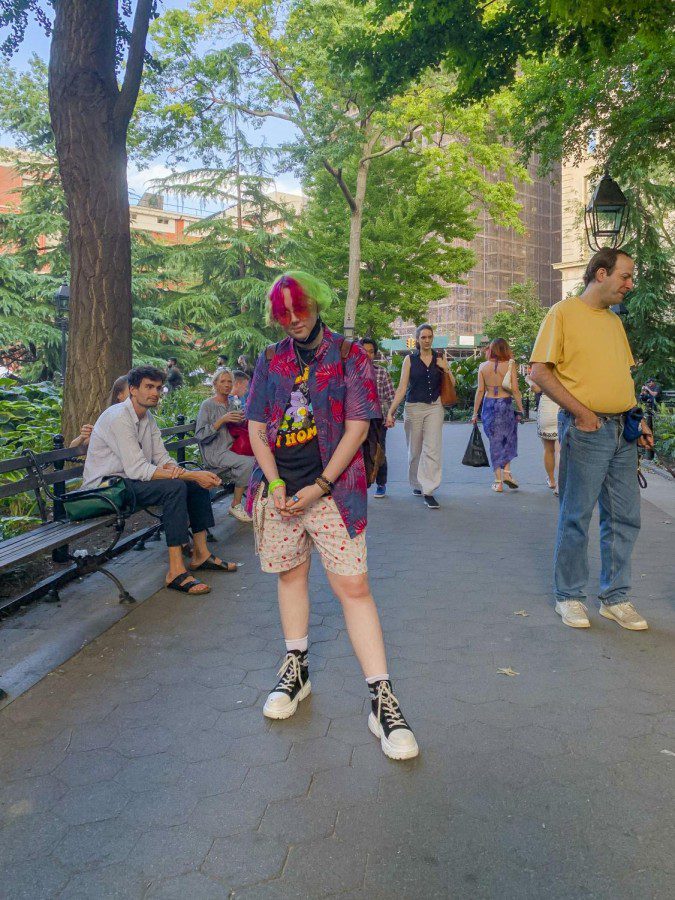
{"x": 423, "y": 424}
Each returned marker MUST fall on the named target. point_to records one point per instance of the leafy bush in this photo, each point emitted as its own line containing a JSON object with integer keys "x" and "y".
{"x": 30, "y": 415}
{"x": 466, "y": 379}
{"x": 185, "y": 401}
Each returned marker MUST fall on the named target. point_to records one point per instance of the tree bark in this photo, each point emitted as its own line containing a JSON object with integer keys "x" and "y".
{"x": 89, "y": 117}
{"x": 355, "y": 225}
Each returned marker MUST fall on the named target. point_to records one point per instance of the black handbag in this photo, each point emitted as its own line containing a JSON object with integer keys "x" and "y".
{"x": 475, "y": 454}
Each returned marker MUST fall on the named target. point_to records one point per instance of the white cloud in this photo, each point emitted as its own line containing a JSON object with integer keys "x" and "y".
{"x": 140, "y": 180}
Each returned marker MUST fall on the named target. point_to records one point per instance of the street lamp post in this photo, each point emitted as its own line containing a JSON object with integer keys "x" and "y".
{"x": 606, "y": 216}
{"x": 62, "y": 303}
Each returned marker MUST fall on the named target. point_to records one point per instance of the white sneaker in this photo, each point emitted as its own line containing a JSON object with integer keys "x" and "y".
{"x": 573, "y": 613}
{"x": 388, "y": 724}
{"x": 625, "y": 615}
{"x": 239, "y": 513}
{"x": 293, "y": 686}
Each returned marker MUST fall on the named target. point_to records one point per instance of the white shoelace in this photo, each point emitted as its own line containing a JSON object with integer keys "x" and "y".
{"x": 387, "y": 704}
{"x": 291, "y": 672}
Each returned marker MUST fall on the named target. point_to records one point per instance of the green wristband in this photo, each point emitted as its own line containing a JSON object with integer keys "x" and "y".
{"x": 273, "y": 485}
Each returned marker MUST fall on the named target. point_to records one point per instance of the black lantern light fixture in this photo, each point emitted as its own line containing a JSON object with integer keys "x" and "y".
{"x": 62, "y": 300}
{"x": 606, "y": 215}
{"x": 62, "y": 303}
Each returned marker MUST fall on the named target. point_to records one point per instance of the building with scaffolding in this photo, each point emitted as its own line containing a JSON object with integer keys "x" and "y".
{"x": 504, "y": 257}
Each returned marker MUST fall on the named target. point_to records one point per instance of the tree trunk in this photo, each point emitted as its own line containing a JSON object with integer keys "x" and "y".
{"x": 355, "y": 224}
{"x": 91, "y": 150}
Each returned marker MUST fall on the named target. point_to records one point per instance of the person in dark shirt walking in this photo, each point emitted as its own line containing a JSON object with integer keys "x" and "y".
{"x": 420, "y": 384}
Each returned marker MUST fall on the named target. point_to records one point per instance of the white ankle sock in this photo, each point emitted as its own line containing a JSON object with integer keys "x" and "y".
{"x": 300, "y": 644}
{"x": 375, "y": 678}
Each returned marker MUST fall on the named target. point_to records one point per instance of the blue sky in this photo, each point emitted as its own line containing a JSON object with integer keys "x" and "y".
{"x": 37, "y": 42}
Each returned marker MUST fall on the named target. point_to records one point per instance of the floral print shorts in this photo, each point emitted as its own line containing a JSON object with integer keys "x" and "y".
{"x": 282, "y": 544}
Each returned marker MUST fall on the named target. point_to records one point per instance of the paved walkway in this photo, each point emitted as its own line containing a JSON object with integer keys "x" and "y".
{"x": 143, "y": 766}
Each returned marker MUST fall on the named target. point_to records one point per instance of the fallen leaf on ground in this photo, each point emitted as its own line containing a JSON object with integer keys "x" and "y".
{"x": 521, "y": 612}
{"x": 508, "y": 671}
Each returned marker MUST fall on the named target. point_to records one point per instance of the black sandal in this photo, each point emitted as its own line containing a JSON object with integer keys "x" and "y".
{"x": 185, "y": 586}
{"x": 210, "y": 563}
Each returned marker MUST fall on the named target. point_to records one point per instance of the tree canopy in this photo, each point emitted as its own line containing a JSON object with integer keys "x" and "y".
{"x": 483, "y": 43}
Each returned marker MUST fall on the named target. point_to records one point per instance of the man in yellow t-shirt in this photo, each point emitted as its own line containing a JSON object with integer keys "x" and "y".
{"x": 581, "y": 360}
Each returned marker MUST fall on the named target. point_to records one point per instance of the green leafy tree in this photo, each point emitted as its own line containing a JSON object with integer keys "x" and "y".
{"x": 411, "y": 224}
{"x": 519, "y": 323}
{"x": 484, "y": 43}
{"x": 89, "y": 112}
{"x": 624, "y": 110}
{"x": 286, "y": 60}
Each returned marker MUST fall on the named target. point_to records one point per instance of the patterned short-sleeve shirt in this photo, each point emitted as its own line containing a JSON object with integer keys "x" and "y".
{"x": 339, "y": 391}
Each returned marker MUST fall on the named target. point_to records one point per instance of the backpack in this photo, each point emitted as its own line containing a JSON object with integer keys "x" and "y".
{"x": 373, "y": 444}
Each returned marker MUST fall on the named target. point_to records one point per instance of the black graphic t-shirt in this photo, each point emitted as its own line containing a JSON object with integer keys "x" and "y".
{"x": 297, "y": 447}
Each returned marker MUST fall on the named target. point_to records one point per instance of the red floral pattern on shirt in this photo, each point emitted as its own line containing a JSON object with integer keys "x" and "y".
{"x": 339, "y": 391}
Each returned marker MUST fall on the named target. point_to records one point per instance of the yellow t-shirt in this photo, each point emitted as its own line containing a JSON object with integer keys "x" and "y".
{"x": 591, "y": 355}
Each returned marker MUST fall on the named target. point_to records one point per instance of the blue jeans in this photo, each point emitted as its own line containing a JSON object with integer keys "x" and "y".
{"x": 596, "y": 467}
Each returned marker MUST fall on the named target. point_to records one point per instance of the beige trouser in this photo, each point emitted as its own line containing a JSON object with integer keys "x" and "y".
{"x": 423, "y": 424}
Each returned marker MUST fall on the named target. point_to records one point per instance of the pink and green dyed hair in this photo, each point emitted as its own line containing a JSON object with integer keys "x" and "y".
{"x": 306, "y": 292}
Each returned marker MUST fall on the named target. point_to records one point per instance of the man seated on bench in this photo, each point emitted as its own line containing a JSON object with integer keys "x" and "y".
{"x": 216, "y": 441}
{"x": 126, "y": 441}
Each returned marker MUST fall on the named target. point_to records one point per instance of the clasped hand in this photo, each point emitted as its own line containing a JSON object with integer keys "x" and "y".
{"x": 289, "y": 507}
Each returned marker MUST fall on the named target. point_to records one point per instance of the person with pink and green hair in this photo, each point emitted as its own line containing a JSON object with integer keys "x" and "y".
{"x": 311, "y": 401}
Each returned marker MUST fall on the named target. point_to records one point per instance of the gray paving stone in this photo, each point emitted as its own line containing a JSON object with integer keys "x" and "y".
{"x": 91, "y": 803}
{"x": 551, "y": 784}
{"x": 29, "y": 836}
{"x": 320, "y": 753}
{"x": 193, "y": 885}
{"x": 89, "y": 767}
{"x": 26, "y": 881}
{"x": 170, "y": 805}
{"x": 330, "y": 865}
{"x": 225, "y": 814}
{"x": 300, "y": 819}
{"x": 245, "y": 859}
{"x": 169, "y": 851}
{"x": 96, "y": 844}
{"x": 214, "y": 776}
{"x": 278, "y": 781}
{"x": 114, "y": 882}
{"x": 148, "y": 772}
{"x": 232, "y": 697}
{"x": 143, "y": 740}
{"x": 29, "y": 795}
{"x": 257, "y": 750}
{"x": 343, "y": 785}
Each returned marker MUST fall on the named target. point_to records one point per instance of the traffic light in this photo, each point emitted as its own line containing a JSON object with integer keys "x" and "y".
{"x": 410, "y": 343}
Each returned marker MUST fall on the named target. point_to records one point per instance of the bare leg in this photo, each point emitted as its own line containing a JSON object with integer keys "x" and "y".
{"x": 550, "y": 460}
{"x": 201, "y": 552}
{"x": 237, "y": 495}
{"x": 362, "y": 621}
{"x": 176, "y": 563}
{"x": 293, "y": 591}
{"x": 498, "y": 487}
{"x": 177, "y": 567}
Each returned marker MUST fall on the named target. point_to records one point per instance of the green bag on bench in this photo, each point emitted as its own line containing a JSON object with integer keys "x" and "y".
{"x": 111, "y": 497}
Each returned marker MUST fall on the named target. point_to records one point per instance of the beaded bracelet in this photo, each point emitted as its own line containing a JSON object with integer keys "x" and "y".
{"x": 325, "y": 485}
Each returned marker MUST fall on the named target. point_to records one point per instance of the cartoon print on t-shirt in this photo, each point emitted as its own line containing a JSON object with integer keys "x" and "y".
{"x": 297, "y": 425}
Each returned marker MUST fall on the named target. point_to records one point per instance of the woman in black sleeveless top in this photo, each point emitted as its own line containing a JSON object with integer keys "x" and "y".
{"x": 420, "y": 382}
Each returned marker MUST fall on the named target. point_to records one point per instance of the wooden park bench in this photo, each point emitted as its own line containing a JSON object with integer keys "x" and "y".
{"x": 47, "y": 476}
